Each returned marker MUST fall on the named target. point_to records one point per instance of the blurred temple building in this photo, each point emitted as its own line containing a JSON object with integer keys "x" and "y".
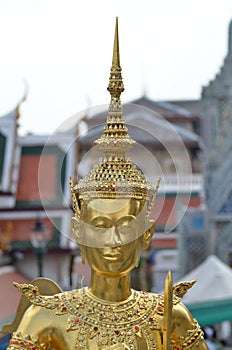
{"x": 208, "y": 230}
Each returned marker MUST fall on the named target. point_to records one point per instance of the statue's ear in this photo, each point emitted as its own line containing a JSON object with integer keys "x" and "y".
{"x": 147, "y": 236}
{"x": 152, "y": 227}
{"x": 75, "y": 227}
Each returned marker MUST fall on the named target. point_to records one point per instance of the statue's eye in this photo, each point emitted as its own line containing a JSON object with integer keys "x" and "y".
{"x": 125, "y": 220}
{"x": 100, "y": 225}
{"x": 101, "y": 222}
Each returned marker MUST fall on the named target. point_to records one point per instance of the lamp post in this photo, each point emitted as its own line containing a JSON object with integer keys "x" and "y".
{"x": 5, "y": 237}
{"x": 39, "y": 240}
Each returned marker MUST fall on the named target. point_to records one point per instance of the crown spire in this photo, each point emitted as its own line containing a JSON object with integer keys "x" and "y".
{"x": 115, "y": 139}
{"x": 116, "y": 55}
{"x": 114, "y": 174}
{"x": 115, "y": 86}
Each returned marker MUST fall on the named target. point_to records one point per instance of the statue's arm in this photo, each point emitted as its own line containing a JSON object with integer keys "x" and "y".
{"x": 185, "y": 331}
{"x": 35, "y": 326}
{"x": 37, "y": 330}
{"x": 45, "y": 285}
{"x": 27, "y": 332}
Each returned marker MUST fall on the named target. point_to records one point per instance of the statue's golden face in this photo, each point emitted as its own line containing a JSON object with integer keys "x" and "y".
{"x": 111, "y": 232}
{"x": 116, "y": 218}
{"x": 110, "y": 222}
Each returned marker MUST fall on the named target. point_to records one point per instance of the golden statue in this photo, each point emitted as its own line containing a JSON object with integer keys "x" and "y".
{"x": 112, "y": 206}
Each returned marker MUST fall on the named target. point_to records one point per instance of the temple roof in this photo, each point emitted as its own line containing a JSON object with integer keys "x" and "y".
{"x": 143, "y": 125}
{"x": 8, "y": 134}
{"x": 165, "y": 108}
{"x": 221, "y": 85}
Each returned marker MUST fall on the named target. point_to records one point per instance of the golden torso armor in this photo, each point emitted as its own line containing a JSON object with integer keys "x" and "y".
{"x": 78, "y": 320}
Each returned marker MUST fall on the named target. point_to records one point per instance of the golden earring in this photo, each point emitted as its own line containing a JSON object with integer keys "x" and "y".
{"x": 146, "y": 240}
{"x": 147, "y": 235}
{"x": 82, "y": 256}
{"x": 137, "y": 264}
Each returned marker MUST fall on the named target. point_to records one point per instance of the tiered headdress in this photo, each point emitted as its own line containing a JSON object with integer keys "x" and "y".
{"x": 114, "y": 176}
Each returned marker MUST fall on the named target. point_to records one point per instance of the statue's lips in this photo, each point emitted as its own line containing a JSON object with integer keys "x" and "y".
{"x": 112, "y": 256}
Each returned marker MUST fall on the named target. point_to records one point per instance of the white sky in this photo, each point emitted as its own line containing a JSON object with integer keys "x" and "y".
{"x": 63, "y": 49}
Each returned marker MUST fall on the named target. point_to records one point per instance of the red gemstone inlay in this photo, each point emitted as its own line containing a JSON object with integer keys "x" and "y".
{"x": 137, "y": 328}
{"x": 95, "y": 329}
{"x": 28, "y": 346}
{"x": 159, "y": 308}
{"x": 64, "y": 308}
{"x": 56, "y": 297}
{"x": 151, "y": 319}
{"x": 117, "y": 332}
{"x": 34, "y": 291}
{"x": 76, "y": 320}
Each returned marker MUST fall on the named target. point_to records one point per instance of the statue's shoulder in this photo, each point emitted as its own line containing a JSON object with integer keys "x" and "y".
{"x": 46, "y": 294}
{"x": 185, "y": 330}
{"x": 181, "y": 288}
{"x": 40, "y": 288}
{"x": 178, "y": 292}
{"x": 42, "y": 292}
{"x": 44, "y": 286}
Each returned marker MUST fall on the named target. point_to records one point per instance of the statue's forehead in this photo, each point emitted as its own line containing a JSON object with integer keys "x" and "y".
{"x": 113, "y": 205}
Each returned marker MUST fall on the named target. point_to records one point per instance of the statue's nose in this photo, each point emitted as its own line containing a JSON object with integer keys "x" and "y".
{"x": 116, "y": 236}
{"x": 113, "y": 237}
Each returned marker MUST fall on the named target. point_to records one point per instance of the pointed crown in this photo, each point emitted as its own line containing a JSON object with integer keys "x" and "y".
{"x": 115, "y": 175}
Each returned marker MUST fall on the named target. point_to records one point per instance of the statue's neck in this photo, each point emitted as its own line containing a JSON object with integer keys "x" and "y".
{"x": 112, "y": 289}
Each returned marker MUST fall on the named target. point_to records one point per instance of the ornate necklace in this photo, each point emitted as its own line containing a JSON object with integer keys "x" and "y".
{"x": 105, "y": 323}
{"x": 111, "y": 323}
